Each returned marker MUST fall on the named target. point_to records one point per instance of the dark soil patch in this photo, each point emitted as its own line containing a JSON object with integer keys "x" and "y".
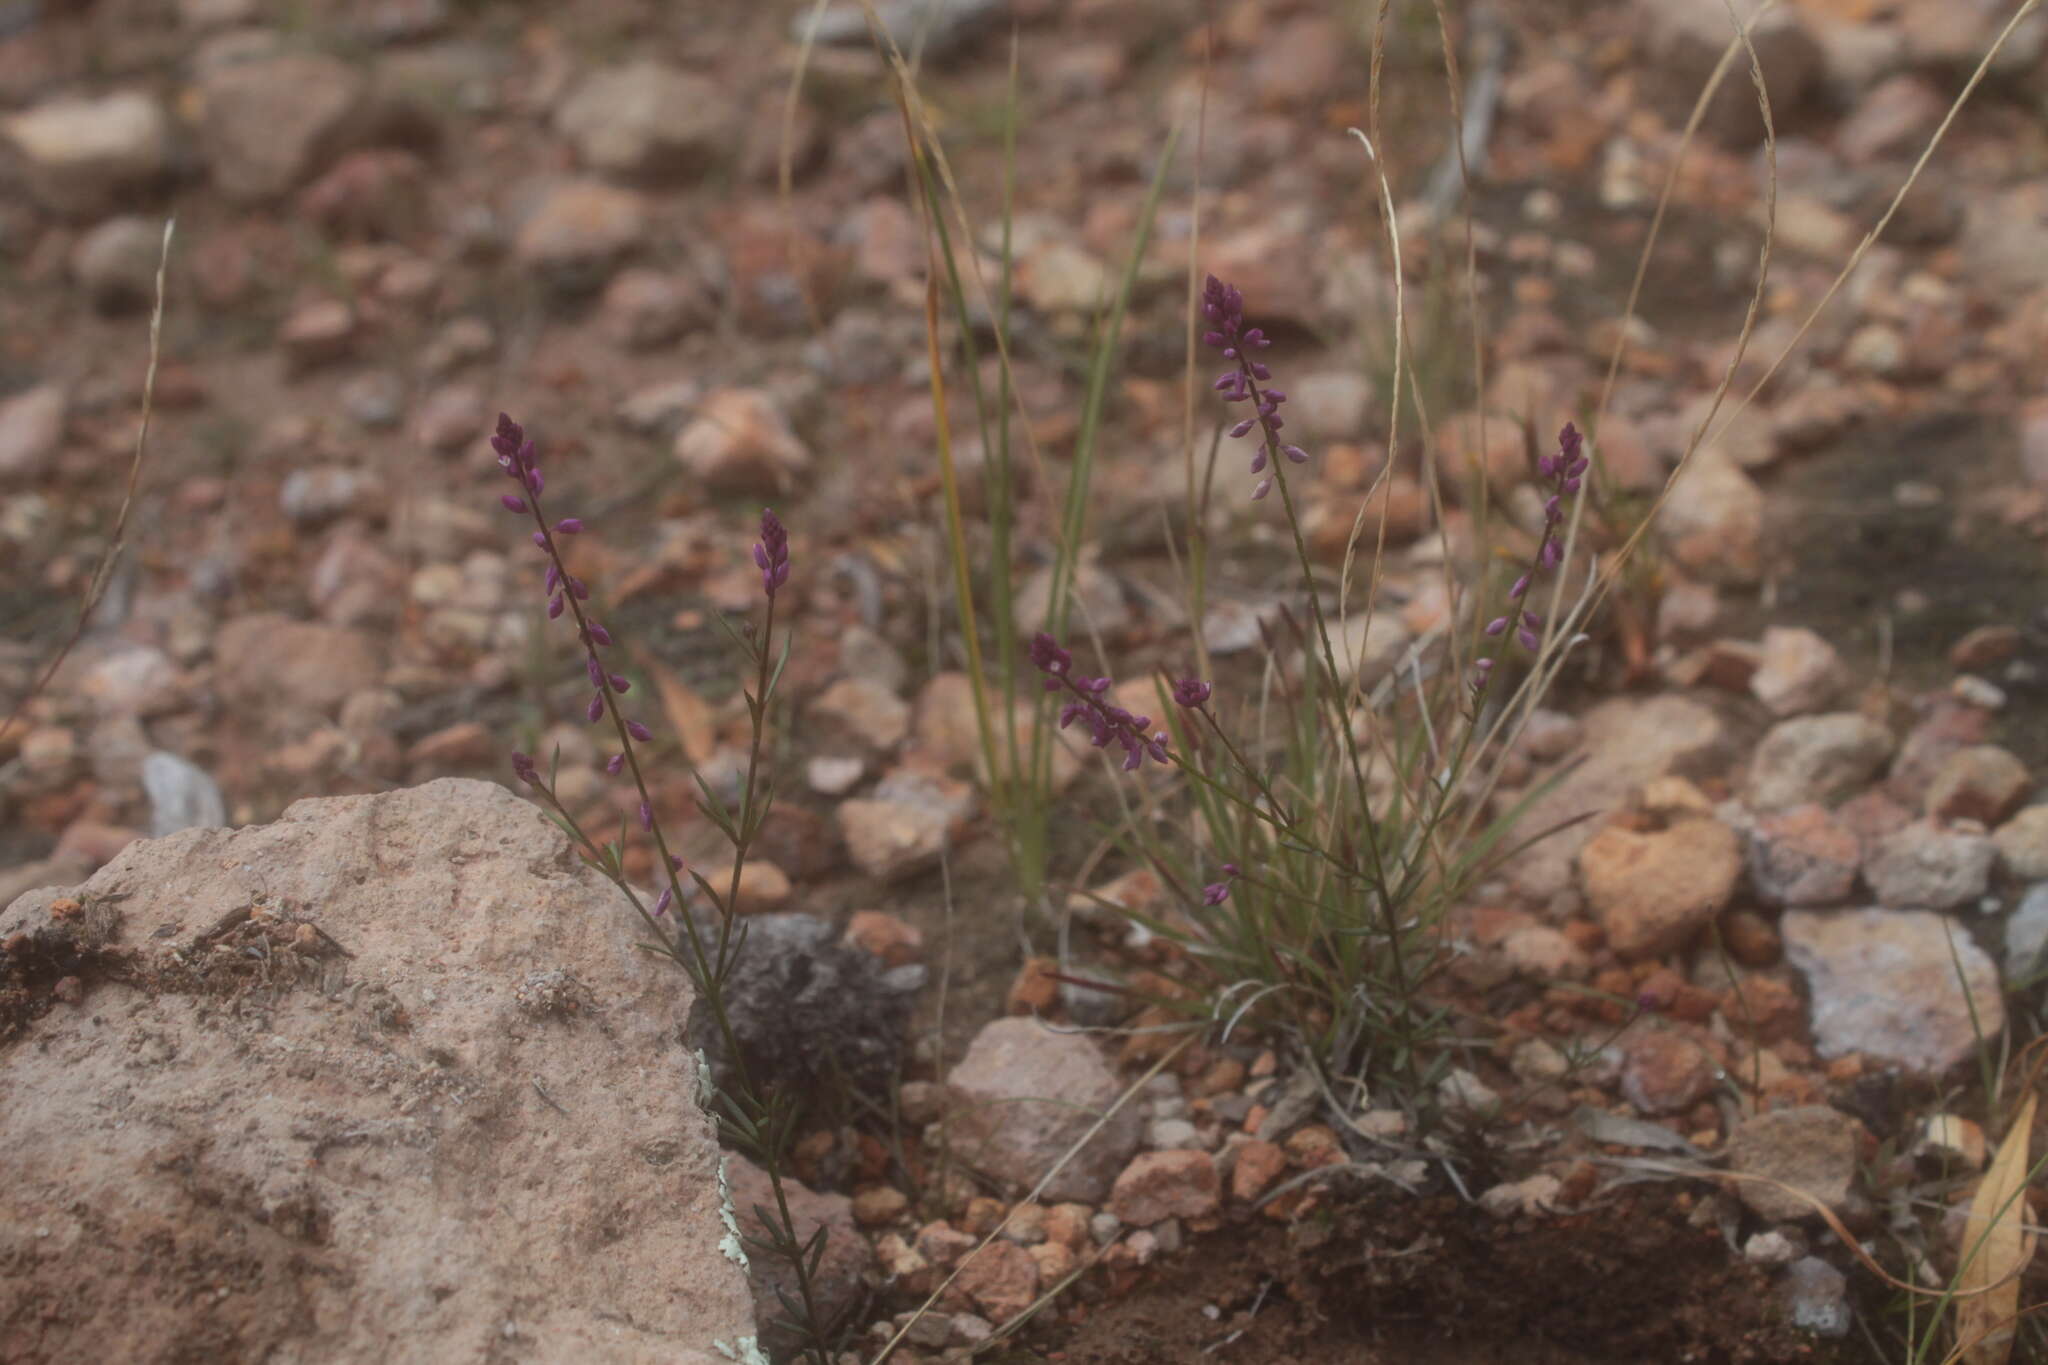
{"x": 1390, "y": 1279}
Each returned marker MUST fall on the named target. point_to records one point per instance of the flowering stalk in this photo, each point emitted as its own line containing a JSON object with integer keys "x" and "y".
{"x": 1106, "y": 720}
{"x": 761, "y": 1125}
{"x": 1565, "y": 472}
{"x": 1246, "y": 381}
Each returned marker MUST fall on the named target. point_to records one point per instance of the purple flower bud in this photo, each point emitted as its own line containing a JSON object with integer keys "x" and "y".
{"x": 1225, "y": 381}
{"x": 1547, "y": 466}
{"x": 621, "y": 683}
{"x": 1047, "y": 656}
{"x": 555, "y": 605}
{"x": 1259, "y": 371}
{"x": 596, "y": 673}
{"x": 1497, "y": 626}
{"x": 1259, "y": 460}
{"x": 513, "y": 502}
{"x": 1528, "y": 638}
{"x": 646, "y": 815}
{"x": 569, "y": 526}
{"x": 639, "y": 731}
{"x": 579, "y": 590}
{"x": 661, "y": 902}
{"x": 554, "y": 577}
{"x": 596, "y": 709}
{"x": 540, "y": 538}
{"x": 535, "y": 481}
{"x": 1572, "y": 485}
{"x": 613, "y": 764}
{"x": 1520, "y": 590}
{"x": 1295, "y": 453}
{"x": 598, "y": 634}
{"x": 1533, "y": 619}
{"x": 771, "y": 555}
{"x": 1261, "y": 488}
{"x": 1242, "y": 427}
{"x": 522, "y": 767}
{"x": 1215, "y": 893}
{"x": 1191, "y": 692}
{"x": 1551, "y": 555}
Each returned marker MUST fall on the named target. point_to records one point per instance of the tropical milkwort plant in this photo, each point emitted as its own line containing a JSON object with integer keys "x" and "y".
{"x": 759, "y": 1125}
{"x": 1312, "y": 886}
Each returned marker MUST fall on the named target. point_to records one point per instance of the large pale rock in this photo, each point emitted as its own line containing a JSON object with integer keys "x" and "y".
{"x": 577, "y": 231}
{"x": 1023, "y": 1095}
{"x": 267, "y": 126}
{"x": 1885, "y": 983}
{"x": 740, "y": 442}
{"x": 1685, "y": 40}
{"x": 1819, "y": 759}
{"x": 31, "y": 431}
{"x": 85, "y": 156}
{"x": 646, "y": 121}
{"x": 1927, "y": 866}
{"x": 387, "y": 1078}
{"x": 1799, "y": 672}
{"x": 1626, "y": 743}
{"x": 1713, "y": 524}
{"x": 267, "y": 659}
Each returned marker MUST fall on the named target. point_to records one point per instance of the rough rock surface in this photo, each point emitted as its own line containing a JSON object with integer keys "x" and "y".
{"x": 1653, "y": 892}
{"x": 1627, "y": 742}
{"x": 1816, "y": 759}
{"x": 1023, "y": 1094}
{"x": 384, "y": 1079}
{"x": 1884, "y": 984}
{"x": 1811, "y": 1148}
{"x": 807, "y": 1009}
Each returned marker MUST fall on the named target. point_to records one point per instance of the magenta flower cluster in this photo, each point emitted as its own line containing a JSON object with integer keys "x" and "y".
{"x": 1107, "y": 722}
{"x": 1244, "y": 381}
{"x": 519, "y": 458}
{"x": 1565, "y": 472}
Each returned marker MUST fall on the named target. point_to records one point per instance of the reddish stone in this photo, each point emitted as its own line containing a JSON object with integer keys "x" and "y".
{"x": 1161, "y": 1185}
{"x": 1258, "y": 1165}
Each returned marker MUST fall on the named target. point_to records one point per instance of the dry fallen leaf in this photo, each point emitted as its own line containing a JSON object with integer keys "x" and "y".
{"x": 1995, "y": 1249}
{"x": 688, "y": 714}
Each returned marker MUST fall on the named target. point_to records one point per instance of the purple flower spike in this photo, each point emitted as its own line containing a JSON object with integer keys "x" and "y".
{"x": 771, "y": 555}
{"x": 1564, "y": 472}
{"x": 1223, "y": 306}
{"x": 1107, "y": 722}
{"x": 1191, "y": 692}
